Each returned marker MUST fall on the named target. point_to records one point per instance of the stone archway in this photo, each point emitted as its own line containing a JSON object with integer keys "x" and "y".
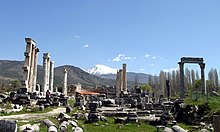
{"x": 181, "y": 66}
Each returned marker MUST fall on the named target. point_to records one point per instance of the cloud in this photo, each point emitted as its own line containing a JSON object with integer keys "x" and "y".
{"x": 147, "y": 55}
{"x": 152, "y": 64}
{"x": 142, "y": 69}
{"x": 171, "y": 69}
{"x": 121, "y": 57}
{"x": 154, "y": 57}
{"x": 86, "y": 46}
{"x": 76, "y": 36}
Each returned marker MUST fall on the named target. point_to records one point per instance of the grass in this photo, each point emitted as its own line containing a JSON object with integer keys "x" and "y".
{"x": 71, "y": 102}
{"x": 110, "y": 126}
{"x": 213, "y": 103}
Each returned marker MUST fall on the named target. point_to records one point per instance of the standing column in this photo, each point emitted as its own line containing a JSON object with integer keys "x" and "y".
{"x": 202, "y": 66}
{"x": 124, "y": 78}
{"x": 31, "y": 75}
{"x": 27, "y": 63}
{"x": 65, "y": 83}
{"x": 118, "y": 88}
{"x": 35, "y": 70}
{"x": 182, "y": 88}
{"x": 121, "y": 80}
{"x": 48, "y": 73}
{"x": 46, "y": 57}
{"x": 51, "y": 76}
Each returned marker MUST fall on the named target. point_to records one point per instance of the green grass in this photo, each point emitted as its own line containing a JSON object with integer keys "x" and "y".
{"x": 71, "y": 102}
{"x": 110, "y": 126}
{"x": 213, "y": 104}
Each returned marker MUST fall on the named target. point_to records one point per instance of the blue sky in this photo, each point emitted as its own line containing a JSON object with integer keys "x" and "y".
{"x": 148, "y": 35}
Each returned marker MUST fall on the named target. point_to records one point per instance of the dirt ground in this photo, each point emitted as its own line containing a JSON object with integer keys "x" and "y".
{"x": 33, "y": 116}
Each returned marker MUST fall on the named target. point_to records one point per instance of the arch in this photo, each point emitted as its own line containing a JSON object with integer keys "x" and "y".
{"x": 181, "y": 66}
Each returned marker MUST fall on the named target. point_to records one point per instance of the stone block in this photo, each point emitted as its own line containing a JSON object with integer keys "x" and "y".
{"x": 8, "y": 126}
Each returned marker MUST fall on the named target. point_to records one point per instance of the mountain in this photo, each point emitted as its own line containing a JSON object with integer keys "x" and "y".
{"x": 11, "y": 70}
{"x": 110, "y": 73}
{"x": 101, "y": 69}
{"x": 141, "y": 77}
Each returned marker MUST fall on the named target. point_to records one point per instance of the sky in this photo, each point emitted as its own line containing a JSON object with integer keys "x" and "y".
{"x": 147, "y": 35}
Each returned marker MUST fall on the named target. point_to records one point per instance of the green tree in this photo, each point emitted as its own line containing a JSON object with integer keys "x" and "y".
{"x": 146, "y": 87}
{"x": 15, "y": 84}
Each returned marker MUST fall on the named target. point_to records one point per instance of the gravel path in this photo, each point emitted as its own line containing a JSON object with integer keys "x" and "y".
{"x": 34, "y": 115}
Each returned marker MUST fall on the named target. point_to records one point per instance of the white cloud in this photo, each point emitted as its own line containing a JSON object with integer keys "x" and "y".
{"x": 86, "y": 46}
{"x": 123, "y": 57}
{"x": 154, "y": 57}
{"x": 142, "y": 69}
{"x": 76, "y": 36}
{"x": 171, "y": 69}
{"x": 152, "y": 64}
{"x": 147, "y": 55}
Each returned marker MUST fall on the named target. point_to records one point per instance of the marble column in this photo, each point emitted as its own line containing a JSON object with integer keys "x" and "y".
{"x": 65, "y": 83}
{"x": 51, "y": 76}
{"x": 182, "y": 88}
{"x": 202, "y": 66}
{"x": 118, "y": 88}
{"x": 124, "y": 78}
{"x": 28, "y": 64}
{"x": 46, "y": 58}
{"x": 35, "y": 70}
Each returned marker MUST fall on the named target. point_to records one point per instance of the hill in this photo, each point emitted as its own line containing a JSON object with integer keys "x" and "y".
{"x": 13, "y": 70}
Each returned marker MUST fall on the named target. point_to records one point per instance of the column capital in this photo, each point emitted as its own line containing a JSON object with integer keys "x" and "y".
{"x": 202, "y": 65}
{"x": 181, "y": 63}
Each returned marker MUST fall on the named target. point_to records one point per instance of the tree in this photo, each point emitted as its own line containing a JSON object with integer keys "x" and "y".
{"x": 216, "y": 83}
{"x": 15, "y": 84}
{"x": 146, "y": 87}
{"x": 211, "y": 79}
{"x": 193, "y": 78}
{"x": 162, "y": 82}
{"x": 136, "y": 80}
{"x": 187, "y": 78}
{"x": 197, "y": 75}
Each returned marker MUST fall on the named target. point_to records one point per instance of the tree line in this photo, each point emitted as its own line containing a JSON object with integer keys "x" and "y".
{"x": 192, "y": 82}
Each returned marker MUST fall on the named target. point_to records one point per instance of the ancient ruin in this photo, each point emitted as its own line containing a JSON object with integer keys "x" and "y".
{"x": 120, "y": 103}
{"x": 48, "y": 66}
{"x": 64, "y": 91}
{"x": 121, "y": 81}
{"x": 202, "y": 67}
{"x": 30, "y": 66}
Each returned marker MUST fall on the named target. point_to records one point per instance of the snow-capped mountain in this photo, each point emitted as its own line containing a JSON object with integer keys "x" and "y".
{"x": 101, "y": 70}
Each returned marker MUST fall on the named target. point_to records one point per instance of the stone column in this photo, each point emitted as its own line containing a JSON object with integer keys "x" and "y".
{"x": 124, "y": 78}
{"x": 65, "y": 83}
{"x": 202, "y": 66}
{"x": 31, "y": 75}
{"x": 35, "y": 70}
{"x": 46, "y": 57}
{"x": 118, "y": 88}
{"x": 119, "y": 83}
{"x": 182, "y": 88}
{"x": 27, "y": 63}
{"x": 120, "y": 80}
{"x": 51, "y": 76}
